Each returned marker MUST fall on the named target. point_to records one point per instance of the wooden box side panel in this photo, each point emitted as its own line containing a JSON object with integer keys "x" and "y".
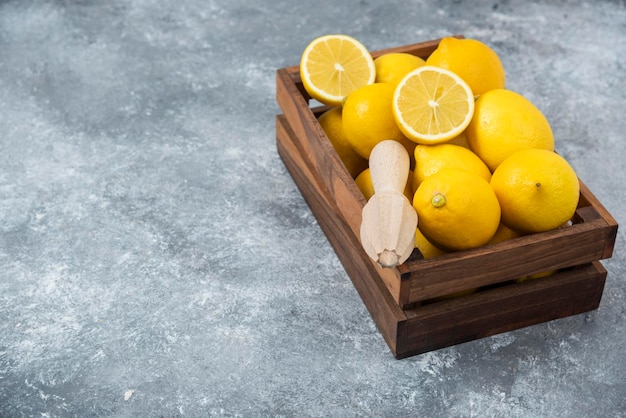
{"x": 327, "y": 168}
{"x": 365, "y": 278}
{"x": 501, "y": 309}
{"x": 317, "y": 149}
{"x": 590, "y": 238}
{"x": 589, "y": 200}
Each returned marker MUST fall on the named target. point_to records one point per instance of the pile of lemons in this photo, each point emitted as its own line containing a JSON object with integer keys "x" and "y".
{"x": 483, "y": 164}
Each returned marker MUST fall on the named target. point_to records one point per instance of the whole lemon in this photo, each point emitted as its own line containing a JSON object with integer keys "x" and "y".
{"x": 504, "y": 122}
{"x": 429, "y": 159}
{"x": 393, "y": 66}
{"x": 537, "y": 189}
{"x": 425, "y": 247}
{"x": 368, "y": 119}
{"x": 503, "y": 233}
{"x": 456, "y": 210}
{"x": 332, "y": 124}
{"x": 365, "y": 185}
{"x": 539, "y": 275}
{"x": 472, "y": 60}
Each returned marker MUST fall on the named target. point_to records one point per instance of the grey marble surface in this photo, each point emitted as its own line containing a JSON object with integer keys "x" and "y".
{"x": 157, "y": 260}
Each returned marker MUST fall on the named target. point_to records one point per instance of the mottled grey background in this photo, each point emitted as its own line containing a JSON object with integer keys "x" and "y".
{"x": 156, "y": 259}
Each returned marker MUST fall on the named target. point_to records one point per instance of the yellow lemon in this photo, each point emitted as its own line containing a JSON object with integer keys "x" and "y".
{"x": 453, "y": 295}
{"x": 474, "y": 61}
{"x": 393, "y": 66}
{"x": 368, "y": 119}
{"x": 460, "y": 139}
{"x": 429, "y": 159}
{"x": 539, "y": 275}
{"x": 425, "y": 247}
{"x": 333, "y": 66}
{"x": 537, "y": 189}
{"x": 456, "y": 209}
{"x": 503, "y": 233}
{"x": 504, "y": 122}
{"x": 365, "y": 185}
{"x": 432, "y": 105}
{"x": 332, "y": 124}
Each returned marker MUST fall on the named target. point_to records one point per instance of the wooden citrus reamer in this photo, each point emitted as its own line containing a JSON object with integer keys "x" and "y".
{"x": 389, "y": 220}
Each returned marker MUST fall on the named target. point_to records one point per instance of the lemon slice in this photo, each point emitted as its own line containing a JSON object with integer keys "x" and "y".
{"x": 432, "y": 105}
{"x": 333, "y": 66}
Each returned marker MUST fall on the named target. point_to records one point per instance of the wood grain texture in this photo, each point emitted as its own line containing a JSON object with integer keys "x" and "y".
{"x": 501, "y": 309}
{"x": 361, "y": 270}
{"x": 315, "y": 145}
{"x": 580, "y": 243}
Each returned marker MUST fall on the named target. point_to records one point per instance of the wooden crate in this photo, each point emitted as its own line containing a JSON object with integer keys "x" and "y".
{"x": 409, "y": 303}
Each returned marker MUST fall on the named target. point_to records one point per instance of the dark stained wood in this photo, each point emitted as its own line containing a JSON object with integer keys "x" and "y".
{"x": 501, "y": 309}
{"x": 588, "y": 199}
{"x": 358, "y": 266}
{"x": 318, "y": 150}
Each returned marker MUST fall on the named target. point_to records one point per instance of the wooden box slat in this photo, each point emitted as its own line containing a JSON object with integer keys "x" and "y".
{"x": 580, "y": 243}
{"x": 381, "y": 306}
{"x": 505, "y": 308}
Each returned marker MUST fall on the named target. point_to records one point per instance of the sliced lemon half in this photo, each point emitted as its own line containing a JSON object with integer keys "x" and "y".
{"x": 333, "y": 66}
{"x": 432, "y": 105}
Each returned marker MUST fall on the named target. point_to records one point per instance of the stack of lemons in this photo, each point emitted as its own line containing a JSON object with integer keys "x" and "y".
{"x": 483, "y": 168}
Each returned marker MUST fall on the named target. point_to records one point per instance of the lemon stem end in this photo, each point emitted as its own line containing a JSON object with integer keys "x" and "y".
{"x": 438, "y": 200}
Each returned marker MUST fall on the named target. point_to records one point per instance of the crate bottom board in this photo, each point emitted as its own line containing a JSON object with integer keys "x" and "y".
{"x": 448, "y": 322}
